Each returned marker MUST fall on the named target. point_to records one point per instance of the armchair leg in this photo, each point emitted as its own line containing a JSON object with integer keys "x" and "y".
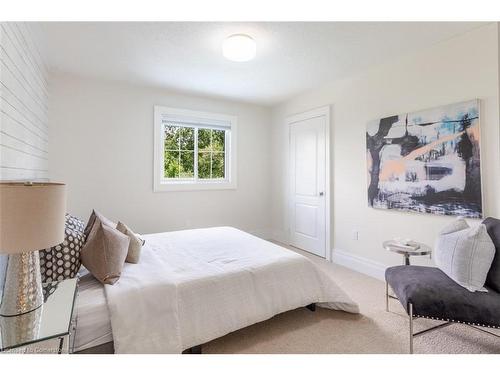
{"x": 410, "y": 313}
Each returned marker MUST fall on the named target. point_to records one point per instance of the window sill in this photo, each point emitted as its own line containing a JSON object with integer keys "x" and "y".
{"x": 190, "y": 186}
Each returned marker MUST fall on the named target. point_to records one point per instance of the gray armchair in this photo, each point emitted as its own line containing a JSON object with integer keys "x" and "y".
{"x": 428, "y": 293}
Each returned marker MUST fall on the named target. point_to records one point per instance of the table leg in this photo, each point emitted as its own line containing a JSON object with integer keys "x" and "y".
{"x": 406, "y": 259}
{"x": 61, "y": 344}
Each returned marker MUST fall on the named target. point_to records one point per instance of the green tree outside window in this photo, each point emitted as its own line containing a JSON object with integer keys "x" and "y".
{"x": 179, "y": 153}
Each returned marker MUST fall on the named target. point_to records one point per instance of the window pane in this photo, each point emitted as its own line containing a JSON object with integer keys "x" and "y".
{"x": 187, "y": 164}
{"x": 218, "y": 165}
{"x": 187, "y": 138}
{"x": 203, "y": 164}
{"x": 179, "y": 153}
{"x": 218, "y": 140}
{"x": 172, "y": 137}
{"x": 171, "y": 166}
{"x": 204, "y": 139}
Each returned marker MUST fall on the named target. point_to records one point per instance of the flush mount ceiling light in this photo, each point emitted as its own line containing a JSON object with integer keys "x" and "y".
{"x": 239, "y": 47}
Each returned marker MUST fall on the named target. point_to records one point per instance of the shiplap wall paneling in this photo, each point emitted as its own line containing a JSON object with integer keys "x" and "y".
{"x": 24, "y": 132}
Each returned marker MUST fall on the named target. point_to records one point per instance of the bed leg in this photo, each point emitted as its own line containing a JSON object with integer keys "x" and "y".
{"x": 311, "y": 307}
{"x": 195, "y": 349}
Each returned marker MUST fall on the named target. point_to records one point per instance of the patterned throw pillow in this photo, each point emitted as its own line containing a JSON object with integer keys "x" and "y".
{"x": 48, "y": 289}
{"x": 74, "y": 223}
{"x": 62, "y": 261}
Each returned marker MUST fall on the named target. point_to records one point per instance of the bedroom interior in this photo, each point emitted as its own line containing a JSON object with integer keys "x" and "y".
{"x": 245, "y": 187}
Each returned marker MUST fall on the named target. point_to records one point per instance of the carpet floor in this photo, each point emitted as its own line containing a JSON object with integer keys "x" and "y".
{"x": 372, "y": 331}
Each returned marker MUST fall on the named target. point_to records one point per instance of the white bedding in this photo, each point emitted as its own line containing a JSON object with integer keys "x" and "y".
{"x": 93, "y": 325}
{"x": 193, "y": 286}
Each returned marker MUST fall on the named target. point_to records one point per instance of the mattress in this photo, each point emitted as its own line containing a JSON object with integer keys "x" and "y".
{"x": 93, "y": 325}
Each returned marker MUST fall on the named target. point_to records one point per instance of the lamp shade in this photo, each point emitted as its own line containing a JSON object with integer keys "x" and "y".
{"x": 32, "y": 216}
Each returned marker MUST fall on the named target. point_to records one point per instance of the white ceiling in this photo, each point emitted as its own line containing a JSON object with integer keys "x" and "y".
{"x": 291, "y": 57}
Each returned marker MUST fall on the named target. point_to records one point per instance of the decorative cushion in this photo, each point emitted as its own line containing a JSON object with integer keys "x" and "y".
{"x": 91, "y": 221}
{"x": 493, "y": 279}
{"x": 465, "y": 254}
{"x": 48, "y": 289}
{"x": 135, "y": 245}
{"x": 435, "y": 295}
{"x": 104, "y": 252}
{"x": 63, "y": 261}
{"x": 74, "y": 223}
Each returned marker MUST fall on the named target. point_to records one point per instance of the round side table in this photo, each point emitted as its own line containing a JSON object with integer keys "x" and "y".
{"x": 407, "y": 252}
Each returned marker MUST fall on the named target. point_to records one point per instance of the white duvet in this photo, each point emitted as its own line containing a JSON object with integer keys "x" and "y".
{"x": 193, "y": 286}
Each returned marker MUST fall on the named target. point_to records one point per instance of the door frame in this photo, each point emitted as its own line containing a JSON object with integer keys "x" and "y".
{"x": 290, "y": 120}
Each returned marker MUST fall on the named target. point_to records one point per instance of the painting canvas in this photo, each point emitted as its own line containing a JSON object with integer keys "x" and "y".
{"x": 427, "y": 161}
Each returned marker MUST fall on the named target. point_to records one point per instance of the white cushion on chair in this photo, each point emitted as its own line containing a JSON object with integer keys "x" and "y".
{"x": 465, "y": 254}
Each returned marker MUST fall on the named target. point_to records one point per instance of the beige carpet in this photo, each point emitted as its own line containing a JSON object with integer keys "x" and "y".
{"x": 372, "y": 331}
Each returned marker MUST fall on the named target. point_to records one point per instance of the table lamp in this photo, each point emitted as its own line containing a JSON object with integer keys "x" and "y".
{"x": 32, "y": 217}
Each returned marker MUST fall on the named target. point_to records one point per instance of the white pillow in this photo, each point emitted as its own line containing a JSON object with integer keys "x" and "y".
{"x": 465, "y": 254}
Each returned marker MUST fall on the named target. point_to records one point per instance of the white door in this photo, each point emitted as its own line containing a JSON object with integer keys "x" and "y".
{"x": 309, "y": 181}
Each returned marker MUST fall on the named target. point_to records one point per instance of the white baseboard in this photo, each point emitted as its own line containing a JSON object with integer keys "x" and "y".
{"x": 355, "y": 262}
{"x": 279, "y": 236}
{"x": 264, "y": 234}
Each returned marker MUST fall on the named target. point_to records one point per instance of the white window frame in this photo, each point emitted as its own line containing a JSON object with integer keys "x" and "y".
{"x": 200, "y": 120}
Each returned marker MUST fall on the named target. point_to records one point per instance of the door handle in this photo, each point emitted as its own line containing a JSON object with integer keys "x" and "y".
{"x": 321, "y": 193}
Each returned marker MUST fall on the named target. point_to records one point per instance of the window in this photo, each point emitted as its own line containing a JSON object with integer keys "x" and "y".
{"x": 183, "y": 143}
{"x": 194, "y": 150}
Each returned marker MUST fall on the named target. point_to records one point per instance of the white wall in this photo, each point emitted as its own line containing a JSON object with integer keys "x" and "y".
{"x": 459, "y": 69}
{"x": 101, "y": 137}
{"x": 23, "y": 105}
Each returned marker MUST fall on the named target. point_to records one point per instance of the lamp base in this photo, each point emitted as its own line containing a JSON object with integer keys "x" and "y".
{"x": 21, "y": 284}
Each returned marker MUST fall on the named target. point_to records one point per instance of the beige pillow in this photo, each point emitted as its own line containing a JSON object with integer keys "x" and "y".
{"x": 465, "y": 254}
{"x": 91, "y": 222}
{"x": 134, "y": 247}
{"x": 104, "y": 252}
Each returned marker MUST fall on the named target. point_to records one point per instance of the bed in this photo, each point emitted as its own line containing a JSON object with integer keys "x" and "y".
{"x": 193, "y": 286}
{"x": 93, "y": 322}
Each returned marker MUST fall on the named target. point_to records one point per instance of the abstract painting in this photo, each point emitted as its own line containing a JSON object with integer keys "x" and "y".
{"x": 427, "y": 161}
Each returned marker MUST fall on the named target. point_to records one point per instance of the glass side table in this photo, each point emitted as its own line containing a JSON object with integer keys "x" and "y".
{"x": 407, "y": 251}
{"x": 48, "y": 329}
